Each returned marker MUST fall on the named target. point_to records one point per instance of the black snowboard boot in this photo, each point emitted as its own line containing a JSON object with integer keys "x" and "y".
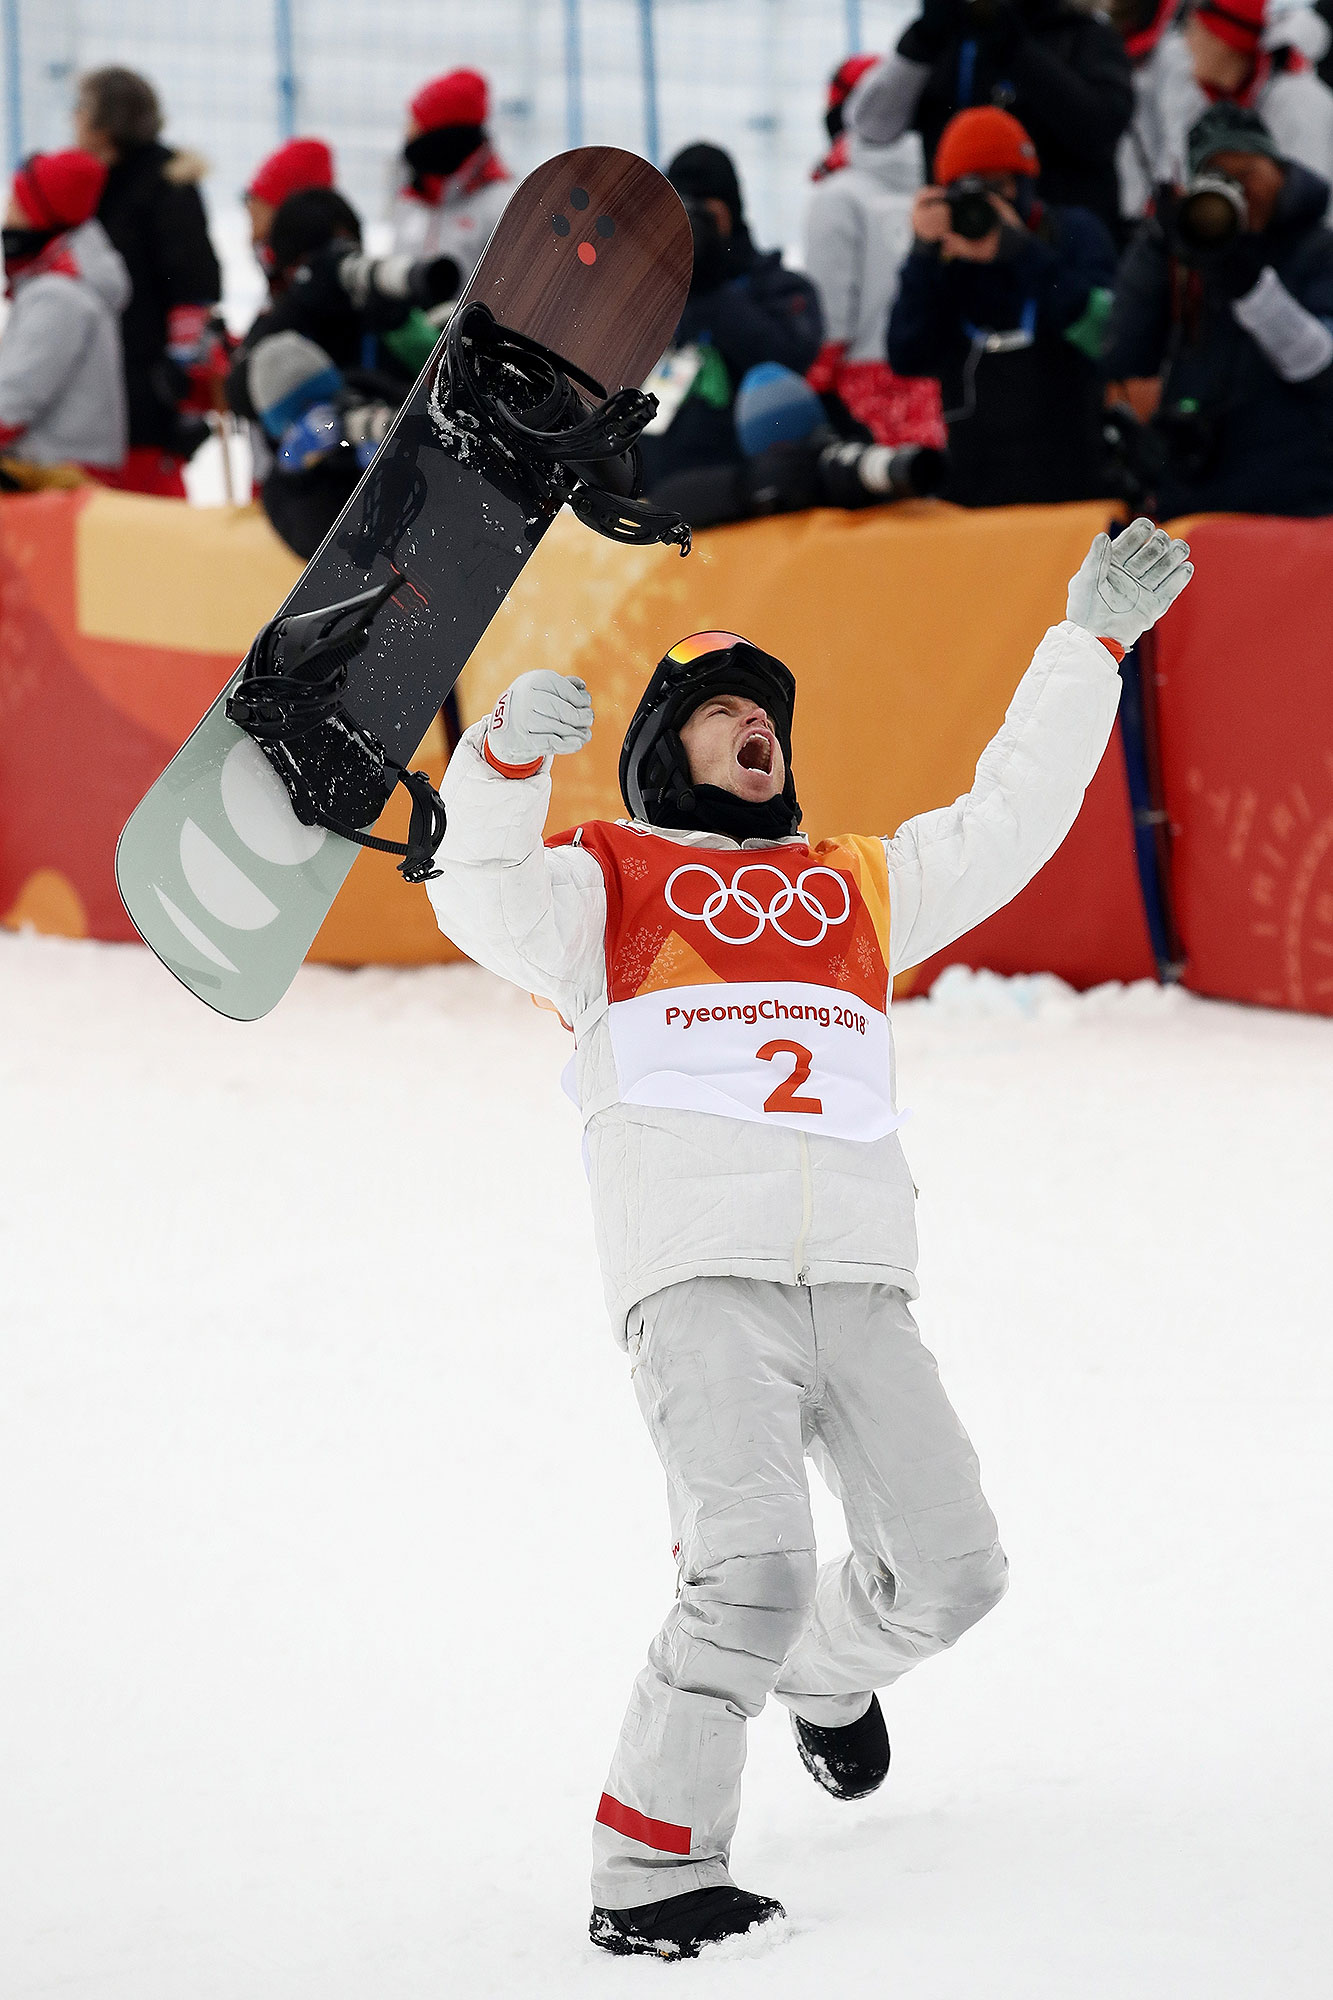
{"x": 850, "y": 1762}
{"x": 680, "y": 1926}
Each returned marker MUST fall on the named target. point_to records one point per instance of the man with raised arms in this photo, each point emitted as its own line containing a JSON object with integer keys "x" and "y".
{"x": 728, "y": 986}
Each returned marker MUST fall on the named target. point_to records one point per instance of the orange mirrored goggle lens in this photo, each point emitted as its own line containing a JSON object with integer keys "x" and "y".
{"x": 699, "y": 643}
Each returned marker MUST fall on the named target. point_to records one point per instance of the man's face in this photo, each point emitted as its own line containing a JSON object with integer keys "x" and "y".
{"x": 730, "y": 742}
{"x": 1214, "y": 61}
{"x": 1259, "y": 178}
{"x": 261, "y": 219}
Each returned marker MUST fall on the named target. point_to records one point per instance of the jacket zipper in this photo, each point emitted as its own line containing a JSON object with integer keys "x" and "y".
{"x": 799, "y": 1264}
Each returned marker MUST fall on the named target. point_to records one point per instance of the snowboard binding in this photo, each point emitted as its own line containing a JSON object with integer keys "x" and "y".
{"x": 337, "y": 775}
{"x": 554, "y": 428}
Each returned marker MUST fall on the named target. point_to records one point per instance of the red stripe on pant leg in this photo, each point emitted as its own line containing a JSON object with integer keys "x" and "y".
{"x": 658, "y": 1833}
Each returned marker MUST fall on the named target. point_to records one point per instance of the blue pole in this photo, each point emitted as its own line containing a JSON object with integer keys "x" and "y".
{"x": 652, "y": 141}
{"x": 573, "y": 75}
{"x": 13, "y": 82}
{"x": 286, "y": 64}
{"x": 854, "y": 42}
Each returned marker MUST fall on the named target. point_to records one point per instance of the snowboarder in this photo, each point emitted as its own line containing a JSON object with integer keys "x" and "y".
{"x": 728, "y": 988}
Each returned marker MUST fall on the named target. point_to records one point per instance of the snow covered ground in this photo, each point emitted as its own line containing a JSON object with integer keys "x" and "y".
{"x": 331, "y": 1541}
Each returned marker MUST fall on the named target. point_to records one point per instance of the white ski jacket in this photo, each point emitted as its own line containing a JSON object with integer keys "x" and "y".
{"x": 858, "y": 230}
{"x": 686, "y": 1193}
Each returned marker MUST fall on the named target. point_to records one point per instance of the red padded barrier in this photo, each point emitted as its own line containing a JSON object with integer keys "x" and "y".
{"x": 1082, "y": 915}
{"x": 1245, "y": 716}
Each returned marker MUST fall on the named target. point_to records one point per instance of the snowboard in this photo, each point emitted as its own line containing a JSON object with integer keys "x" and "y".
{"x": 221, "y": 878}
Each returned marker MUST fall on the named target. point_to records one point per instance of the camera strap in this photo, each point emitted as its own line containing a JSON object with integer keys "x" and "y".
{"x": 1006, "y": 340}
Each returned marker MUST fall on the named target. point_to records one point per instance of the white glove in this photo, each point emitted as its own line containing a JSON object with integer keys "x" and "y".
{"x": 544, "y": 714}
{"x": 1125, "y": 585}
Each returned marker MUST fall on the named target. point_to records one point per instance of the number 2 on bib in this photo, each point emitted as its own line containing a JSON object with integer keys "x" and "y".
{"x": 784, "y": 1098}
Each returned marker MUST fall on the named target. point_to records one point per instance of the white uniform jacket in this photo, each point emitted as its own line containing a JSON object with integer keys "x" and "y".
{"x": 679, "y": 1193}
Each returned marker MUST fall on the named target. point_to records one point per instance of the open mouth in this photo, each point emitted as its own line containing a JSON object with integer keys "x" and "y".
{"x": 756, "y": 753}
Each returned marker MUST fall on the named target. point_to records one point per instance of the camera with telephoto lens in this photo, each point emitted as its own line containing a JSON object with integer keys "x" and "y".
{"x": 972, "y": 213}
{"x": 1209, "y": 215}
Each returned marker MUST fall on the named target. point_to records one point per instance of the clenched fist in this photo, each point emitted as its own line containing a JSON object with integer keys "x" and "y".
{"x": 1124, "y": 586}
{"x": 544, "y": 714}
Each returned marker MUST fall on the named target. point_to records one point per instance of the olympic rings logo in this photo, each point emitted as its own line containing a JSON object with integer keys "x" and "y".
{"x": 787, "y": 897}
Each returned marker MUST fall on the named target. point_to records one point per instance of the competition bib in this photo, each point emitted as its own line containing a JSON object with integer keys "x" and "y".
{"x": 749, "y": 983}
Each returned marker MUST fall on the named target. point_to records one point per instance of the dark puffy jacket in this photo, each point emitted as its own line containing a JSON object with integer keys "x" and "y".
{"x": 766, "y": 313}
{"x": 1066, "y": 78}
{"x": 1024, "y": 420}
{"x": 1259, "y": 445}
{"x": 152, "y": 211}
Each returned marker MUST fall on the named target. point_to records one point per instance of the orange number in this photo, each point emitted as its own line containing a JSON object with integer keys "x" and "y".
{"x": 784, "y": 1098}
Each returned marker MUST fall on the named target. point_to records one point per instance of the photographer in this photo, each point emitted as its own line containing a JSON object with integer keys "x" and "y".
{"x": 455, "y": 186}
{"x": 325, "y": 367}
{"x": 1004, "y": 300}
{"x": 1232, "y": 292}
{"x": 743, "y": 308}
{"x": 1058, "y": 67}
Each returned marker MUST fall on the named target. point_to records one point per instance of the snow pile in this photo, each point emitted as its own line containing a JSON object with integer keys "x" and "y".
{"x": 332, "y": 1540}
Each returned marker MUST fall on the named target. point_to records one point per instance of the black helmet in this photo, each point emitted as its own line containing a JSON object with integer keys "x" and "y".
{"x": 654, "y": 770}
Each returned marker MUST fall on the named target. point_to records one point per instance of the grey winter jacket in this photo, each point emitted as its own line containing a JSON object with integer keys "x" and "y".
{"x": 858, "y": 229}
{"x": 62, "y": 388}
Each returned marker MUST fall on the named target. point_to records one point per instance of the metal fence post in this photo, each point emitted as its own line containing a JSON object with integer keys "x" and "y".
{"x": 573, "y": 74}
{"x": 285, "y": 54}
{"x": 13, "y": 82}
{"x": 652, "y": 138}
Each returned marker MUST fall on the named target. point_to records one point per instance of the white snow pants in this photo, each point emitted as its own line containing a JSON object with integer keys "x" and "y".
{"x": 739, "y": 1379}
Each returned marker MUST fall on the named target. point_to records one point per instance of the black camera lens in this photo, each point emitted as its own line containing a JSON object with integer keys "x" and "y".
{"x": 1210, "y": 213}
{"x": 971, "y": 211}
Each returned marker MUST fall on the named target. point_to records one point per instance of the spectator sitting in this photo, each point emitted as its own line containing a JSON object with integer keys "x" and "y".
{"x": 456, "y": 186}
{"x": 299, "y": 165}
{"x": 841, "y": 85}
{"x": 62, "y": 391}
{"x": 1246, "y": 421}
{"x": 1060, "y": 68}
{"x": 858, "y": 229}
{"x": 743, "y": 308}
{"x": 152, "y": 211}
{"x": 1246, "y": 52}
{"x": 345, "y": 335}
{"x": 1004, "y": 300}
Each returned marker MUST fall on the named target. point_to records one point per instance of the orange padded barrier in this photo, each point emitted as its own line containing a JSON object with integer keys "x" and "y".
{"x": 120, "y": 619}
{"x": 1245, "y": 706}
{"x": 908, "y": 629}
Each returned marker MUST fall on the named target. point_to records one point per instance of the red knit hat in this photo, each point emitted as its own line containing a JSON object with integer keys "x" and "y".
{"x": 846, "y": 77}
{"x": 59, "y": 190}
{"x": 461, "y": 98}
{"x": 1238, "y": 23}
{"x": 300, "y": 164}
{"x": 984, "y": 140}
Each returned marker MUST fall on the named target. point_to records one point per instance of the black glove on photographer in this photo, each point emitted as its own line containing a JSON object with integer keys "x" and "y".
{"x": 1000, "y": 24}
{"x": 1235, "y": 270}
{"x": 434, "y": 281}
{"x": 941, "y": 22}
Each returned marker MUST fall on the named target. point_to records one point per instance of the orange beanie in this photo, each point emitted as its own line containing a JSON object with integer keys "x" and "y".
{"x": 984, "y": 140}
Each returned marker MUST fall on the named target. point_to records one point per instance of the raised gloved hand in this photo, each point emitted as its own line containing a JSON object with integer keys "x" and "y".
{"x": 1124, "y": 586}
{"x": 544, "y": 714}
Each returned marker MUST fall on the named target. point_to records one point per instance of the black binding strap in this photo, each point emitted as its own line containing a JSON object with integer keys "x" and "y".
{"x": 425, "y": 831}
{"x": 291, "y": 692}
{"x": 591, "y": 449}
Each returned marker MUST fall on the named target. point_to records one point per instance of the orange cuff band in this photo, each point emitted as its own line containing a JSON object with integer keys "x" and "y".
{"x": 510, "y": 770}
{"x": 1113, "y": 647}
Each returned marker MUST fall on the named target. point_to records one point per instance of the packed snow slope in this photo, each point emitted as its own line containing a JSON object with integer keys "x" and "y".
{"x": 332, "y": 1540}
